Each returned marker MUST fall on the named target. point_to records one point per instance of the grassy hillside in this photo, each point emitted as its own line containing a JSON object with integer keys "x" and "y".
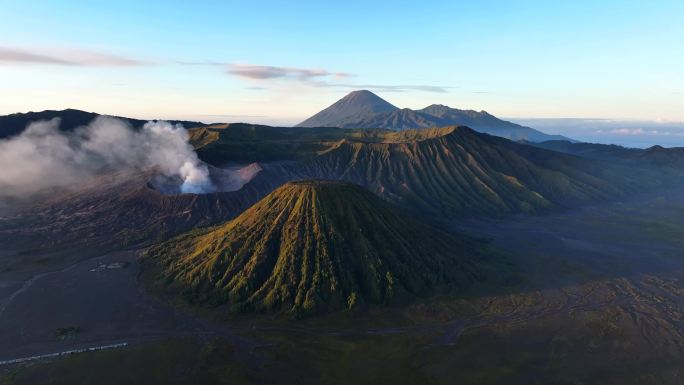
{"x": 311, "y": 247}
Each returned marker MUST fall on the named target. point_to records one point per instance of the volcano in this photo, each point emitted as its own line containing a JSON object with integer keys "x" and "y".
{"x": 312, "y": 247}
{"x": 354, "y": 107}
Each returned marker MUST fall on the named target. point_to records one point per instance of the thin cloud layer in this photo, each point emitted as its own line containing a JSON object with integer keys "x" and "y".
{"x": 318, "y": 78}
{"x": 390, "y": 88}
{"x": 630, "y": 131}
{"x": 640, "y": 131}
{"x": 259, "y": 72}
{"x": 15, "y": 56}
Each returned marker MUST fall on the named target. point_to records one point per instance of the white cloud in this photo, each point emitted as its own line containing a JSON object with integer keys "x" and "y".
{"x": 252, "y": 71}
{"x": 316, "y": 77}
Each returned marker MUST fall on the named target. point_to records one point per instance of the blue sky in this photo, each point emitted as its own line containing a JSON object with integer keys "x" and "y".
{"x": 278, "y": 62}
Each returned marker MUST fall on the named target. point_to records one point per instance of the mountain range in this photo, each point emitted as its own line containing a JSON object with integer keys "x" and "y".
{"x": 329, "y": 218}
{"x": 451, "y": 172}
{"x": 358, "y": 109}
{"x": 446, "y": 173}
{"x": 364, "y": 109}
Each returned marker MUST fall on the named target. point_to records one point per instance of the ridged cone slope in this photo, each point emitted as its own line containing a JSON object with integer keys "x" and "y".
{"x": 455, "y": 171}
{"x": 312, "y": 247}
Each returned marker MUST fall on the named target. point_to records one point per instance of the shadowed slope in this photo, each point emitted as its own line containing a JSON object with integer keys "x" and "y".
{"x": 310, "y": 247}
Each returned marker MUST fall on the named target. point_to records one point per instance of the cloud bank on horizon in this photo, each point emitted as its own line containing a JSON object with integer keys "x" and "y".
{"x": 43, "y": 157}
{"x": 630, "y": 133}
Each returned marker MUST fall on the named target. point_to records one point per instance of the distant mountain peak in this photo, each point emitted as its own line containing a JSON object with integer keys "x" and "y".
{"x": 367, "y": 99}
{"x": 353, "y": 107}
{"x": 362, "y": 93}
{"x": 437, "y": 107}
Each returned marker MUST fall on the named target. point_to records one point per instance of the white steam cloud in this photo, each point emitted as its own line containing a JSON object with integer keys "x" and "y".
{"x": 42, "y": 157}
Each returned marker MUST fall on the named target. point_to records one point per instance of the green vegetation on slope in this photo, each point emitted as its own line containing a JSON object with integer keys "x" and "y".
{"x": 311, "y": 247}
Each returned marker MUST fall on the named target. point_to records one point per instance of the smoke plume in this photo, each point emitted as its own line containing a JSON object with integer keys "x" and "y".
{"x": 43, "y": 157}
